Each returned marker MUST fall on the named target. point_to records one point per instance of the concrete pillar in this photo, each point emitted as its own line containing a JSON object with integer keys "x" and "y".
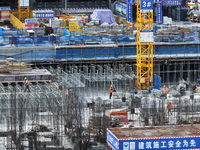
{"x": 181, "y": 70}
{"x": 167, "y": 73}
{"x": 109, "y": 4}
{"x": 156, "y": 69}
{"x": 188, "y": 72}
{"x": 65, "y": 2}
{"x": 175, "y": 79}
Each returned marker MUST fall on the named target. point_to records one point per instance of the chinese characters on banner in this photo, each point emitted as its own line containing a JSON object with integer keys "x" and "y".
{"x": 32, "y": 20}
{"x": 159, "y": 13}
{"x": 43, "y": 14}
{"x": 161, "y": 144}
{"x": 129, "y": 12}
{"x": 112, "y": 140}
{"x": 146, "y": 6}
{"x": 171, "y": 2}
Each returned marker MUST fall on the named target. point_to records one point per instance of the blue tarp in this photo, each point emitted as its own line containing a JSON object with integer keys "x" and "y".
{"x": 156, "y": 82}
{"x": 1, "y": 30}
{"x": 66, "y": 32}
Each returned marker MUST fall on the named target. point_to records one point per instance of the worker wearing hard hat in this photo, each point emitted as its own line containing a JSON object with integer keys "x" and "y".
{"x": 26, "y": 84}
{"x": 165, "y": 90}
{"x": 169, "y": 106}
{"x": 111, "y": 91}
{"x": 83, "y": 20}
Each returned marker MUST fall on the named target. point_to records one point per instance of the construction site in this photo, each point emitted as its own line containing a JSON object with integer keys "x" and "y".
{"x": 92, "y": 75}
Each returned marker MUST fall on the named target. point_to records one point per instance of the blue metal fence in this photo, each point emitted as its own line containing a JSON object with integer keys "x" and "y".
{"x": 98, "y": 53}
{"x": 20, "y": 38}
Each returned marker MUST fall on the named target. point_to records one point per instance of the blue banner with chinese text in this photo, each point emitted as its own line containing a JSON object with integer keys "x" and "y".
{"x": 160, "y": 144}
{"x": 146, "y": 6}
{"x": 112, "y": 140}
{"x": 159, "y": 13}
{"x": 129, "y": 12}
{"x": 171, "y": 2}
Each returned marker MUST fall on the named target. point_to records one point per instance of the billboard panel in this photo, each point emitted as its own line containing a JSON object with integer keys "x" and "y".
{"x": 162, "y": 143}
{"x": 159, "y": 13}
{"x": 4, "y": 8}
{"x": 112, "y": 140}
{"x": 129, "y": 12}
{"x": 171, "y": 2}
{"x": 31, "y": 20}
{"x": 135, "y": 1}
{"x": 43, "y": 14}
{"x": 24, "y": 3}
{"x": 120, "y": 10}
{"x": 146, "y": 37}
{"x": 130, "y": 1}
{"x": 146, "y": 6}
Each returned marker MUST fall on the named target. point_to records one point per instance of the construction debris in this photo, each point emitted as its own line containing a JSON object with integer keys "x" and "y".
{"x": 181, "y": 88}
{"x": 174, "y": 93}
{"x": 11, "y": 65}
{"x": 157, "y": 93}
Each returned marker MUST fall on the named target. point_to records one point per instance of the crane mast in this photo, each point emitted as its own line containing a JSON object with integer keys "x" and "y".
{"x": 23, "y": 10}
{"x": 144, "y": 46}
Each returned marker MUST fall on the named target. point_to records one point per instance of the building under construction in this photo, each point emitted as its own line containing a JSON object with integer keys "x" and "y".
{"x": 69, "y": 105}
{"x": 71, "y": 69}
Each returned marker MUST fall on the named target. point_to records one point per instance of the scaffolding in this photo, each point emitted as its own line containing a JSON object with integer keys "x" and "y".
{"x": 72, "y": 110}
{"x": 23, "y": 10}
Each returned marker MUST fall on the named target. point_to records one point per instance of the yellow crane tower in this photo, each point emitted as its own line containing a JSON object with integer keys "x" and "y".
{"x": 23, "y": 10}
{"x": 144, "y": 44}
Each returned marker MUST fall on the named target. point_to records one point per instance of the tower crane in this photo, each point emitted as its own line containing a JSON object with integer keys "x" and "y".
{"x": 144, "y": 44}
{"x": 23, "y": 10}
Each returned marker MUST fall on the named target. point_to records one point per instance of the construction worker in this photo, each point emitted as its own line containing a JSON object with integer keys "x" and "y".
{"x": 26, "y": 84}
{"x": 165, "y": 90}
{"x": 83, "y": 20}
{"x": 169, "y": 106}
{"x": 111, "y": 91}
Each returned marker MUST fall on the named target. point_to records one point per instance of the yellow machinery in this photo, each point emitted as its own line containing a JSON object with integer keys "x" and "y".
{"x": 23, "y": 10}
{"x": 63, "y": 16}
{"x": 16, "y": 22}
{"x": 71, "y": 25}
{"x": 144, "y": 51}
{"x": 122, "y": 20}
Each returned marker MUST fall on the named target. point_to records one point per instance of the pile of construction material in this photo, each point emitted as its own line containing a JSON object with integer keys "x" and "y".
{"x": 197, "y": 89}
{"x": 175, "y": 29}
{"x": 11, "y": 65}
{"x": 184, "y": 29}
{"x": 167, "y": 20}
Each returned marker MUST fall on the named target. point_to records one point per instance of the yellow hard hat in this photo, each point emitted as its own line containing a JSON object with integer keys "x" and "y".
{"x": 164, "y": 86}
{"x": 111, "y": 86}
{"x": 25, "y": 78}
{"x": 82, "y": 16}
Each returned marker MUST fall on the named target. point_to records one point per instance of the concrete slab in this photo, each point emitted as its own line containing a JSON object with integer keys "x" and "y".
{"x": 34, "y": 75}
